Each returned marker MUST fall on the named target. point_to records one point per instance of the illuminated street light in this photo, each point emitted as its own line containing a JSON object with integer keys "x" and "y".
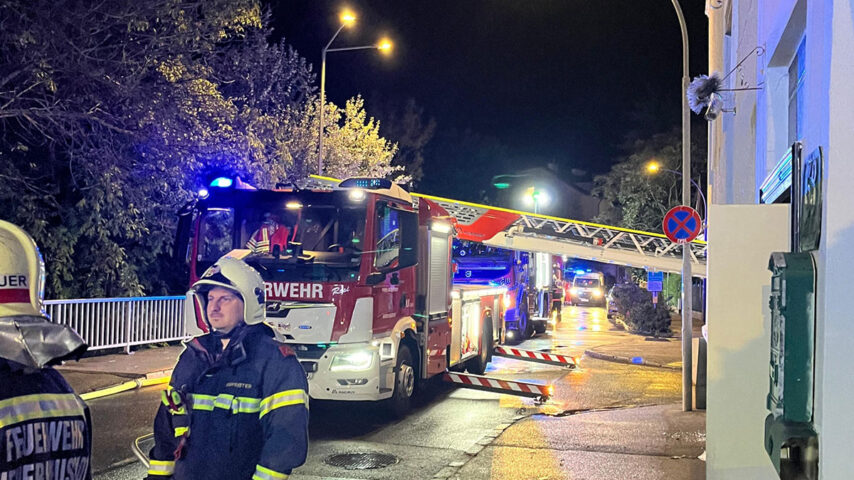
{"x": 384, "y": 46}
{"x": 536, "y": 197}
{"x": 653, "y": 167}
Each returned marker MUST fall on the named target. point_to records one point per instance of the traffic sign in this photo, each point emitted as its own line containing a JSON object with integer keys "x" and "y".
{"x": 682, "y": 224}
{"x": 655, "y": 281}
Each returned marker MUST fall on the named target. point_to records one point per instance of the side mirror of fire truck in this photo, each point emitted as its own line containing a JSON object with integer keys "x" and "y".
{"x": 375, "y": 278}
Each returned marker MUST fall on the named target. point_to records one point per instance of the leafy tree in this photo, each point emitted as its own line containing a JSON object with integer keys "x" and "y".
{"x": 635, "y": 199}
{"x": 112, "y": 113}
{"x": 407, "y": 126}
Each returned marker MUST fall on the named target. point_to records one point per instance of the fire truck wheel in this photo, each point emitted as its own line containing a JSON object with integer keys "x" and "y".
{"x": 477, "y": 365}
{"x": 404, "y": 383}
{"x": 540, "y": 327}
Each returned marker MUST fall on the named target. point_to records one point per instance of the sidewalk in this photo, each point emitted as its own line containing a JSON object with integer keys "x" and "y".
{"x": 102, "y": 371}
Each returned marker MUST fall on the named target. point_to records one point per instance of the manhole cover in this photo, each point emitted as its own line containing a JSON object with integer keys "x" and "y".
{"x": 361, "y": 461}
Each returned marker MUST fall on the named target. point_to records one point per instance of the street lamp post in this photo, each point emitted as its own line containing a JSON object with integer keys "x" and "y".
{"x": 687, "y": 294}
{"x": 347, "y": 19}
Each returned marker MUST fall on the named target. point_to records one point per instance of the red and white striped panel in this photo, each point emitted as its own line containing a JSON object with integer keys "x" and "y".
{"x": 501, "y": 386}
{"x": 542, "y": 357}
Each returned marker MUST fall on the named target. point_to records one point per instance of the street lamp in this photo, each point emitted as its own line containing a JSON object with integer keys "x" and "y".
{"x": 654, "y": 167}
{"x": 687, "y": 293}
{"x": 536, "y": 197}
{"x": 384, "y": 46}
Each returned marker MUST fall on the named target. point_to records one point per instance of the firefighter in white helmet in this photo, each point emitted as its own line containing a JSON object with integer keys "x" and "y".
{"x": 237, "y": 403}
{"x": 34, "y": 398}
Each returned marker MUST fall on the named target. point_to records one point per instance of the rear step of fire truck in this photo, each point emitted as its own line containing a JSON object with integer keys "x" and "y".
{"x": 478, "y": 382}
{"x": 538, "y": 357}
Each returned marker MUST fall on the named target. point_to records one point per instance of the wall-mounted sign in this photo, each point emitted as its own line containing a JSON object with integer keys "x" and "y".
{"x": 809, "y": 225}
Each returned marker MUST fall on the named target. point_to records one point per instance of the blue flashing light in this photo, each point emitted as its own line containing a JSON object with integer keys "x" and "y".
{"x": 637, "y": 360}
{"x": 222, "y": 182}
{"x": 580, "y": 272}
{"x": 203, "y": 193}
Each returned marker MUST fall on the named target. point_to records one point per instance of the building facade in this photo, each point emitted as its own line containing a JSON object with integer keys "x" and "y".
{"x": 793, "y": 61}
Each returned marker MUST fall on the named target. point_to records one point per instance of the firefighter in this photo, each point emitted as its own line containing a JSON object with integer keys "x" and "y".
{"x": 237, "y": 405}
{"x": 271, "y": 237}
{"x": 45, "y": 429}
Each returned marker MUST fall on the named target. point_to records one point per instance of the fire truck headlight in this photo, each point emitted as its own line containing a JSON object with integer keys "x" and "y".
{"x": 597, "y": 292}
{"x": 354, "y": 361}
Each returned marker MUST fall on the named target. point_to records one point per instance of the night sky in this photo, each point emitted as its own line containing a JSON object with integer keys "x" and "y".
{"x": 511, "y": 84}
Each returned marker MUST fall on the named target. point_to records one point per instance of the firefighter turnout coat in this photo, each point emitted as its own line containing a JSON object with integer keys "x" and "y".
{"x": 45, "y": 429}
{"x": 237, "y": 414}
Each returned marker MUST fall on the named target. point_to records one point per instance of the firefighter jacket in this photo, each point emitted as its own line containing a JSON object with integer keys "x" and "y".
{"x": 45, "y": 429}
{"x": 237, "y": 414}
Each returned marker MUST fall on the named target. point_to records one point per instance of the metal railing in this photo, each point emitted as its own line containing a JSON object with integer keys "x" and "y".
{"x": 121, "y": 322}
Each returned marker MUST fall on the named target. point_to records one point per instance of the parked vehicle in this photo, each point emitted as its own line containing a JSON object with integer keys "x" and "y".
{"x": 588, "y": 290}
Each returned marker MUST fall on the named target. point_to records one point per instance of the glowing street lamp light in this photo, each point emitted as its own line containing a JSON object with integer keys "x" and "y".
{"x": 384, "y": 46}
{"x": 536, "y": 197}
{"x": 653, "y": 167}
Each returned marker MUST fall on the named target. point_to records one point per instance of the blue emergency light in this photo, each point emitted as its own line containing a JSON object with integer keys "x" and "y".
{"x": 222, "y": 182}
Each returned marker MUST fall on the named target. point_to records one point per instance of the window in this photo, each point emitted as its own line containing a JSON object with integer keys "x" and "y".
{"x": 388, "y": 236}
{"x": 797, "y": 69}
{"x": 217, "y": 230}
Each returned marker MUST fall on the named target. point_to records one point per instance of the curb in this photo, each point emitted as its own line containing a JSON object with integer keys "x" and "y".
{"x": 614, "y": 358}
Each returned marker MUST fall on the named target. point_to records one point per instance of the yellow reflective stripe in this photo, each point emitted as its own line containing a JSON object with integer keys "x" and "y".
{"x": 263, "y": 473}
{"x": 176, "y": 399}
{"x": 161, "y": 467}
{"x": 41, "y": 405}
{"x": 283, "y": 399}
{"x": 181, "y": 430}
{"x": 226, "y": 402}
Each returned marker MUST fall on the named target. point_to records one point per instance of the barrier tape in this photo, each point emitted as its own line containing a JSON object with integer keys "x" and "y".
{"x": 477, "y": 382}
{"x": 539, "y": 357}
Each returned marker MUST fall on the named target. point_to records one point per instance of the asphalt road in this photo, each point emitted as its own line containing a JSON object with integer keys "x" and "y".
{"x": 446, "y": 421}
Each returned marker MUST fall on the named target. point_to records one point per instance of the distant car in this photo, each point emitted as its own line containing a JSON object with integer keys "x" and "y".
{"x": 588, "y": 289}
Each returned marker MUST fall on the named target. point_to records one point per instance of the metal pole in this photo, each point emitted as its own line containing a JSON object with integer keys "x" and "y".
{"x": 687, "y": 300}
{"x": 320, "y": 115}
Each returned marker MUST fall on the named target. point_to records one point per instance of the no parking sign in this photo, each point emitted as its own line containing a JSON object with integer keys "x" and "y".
{"x": 682, "y": 224}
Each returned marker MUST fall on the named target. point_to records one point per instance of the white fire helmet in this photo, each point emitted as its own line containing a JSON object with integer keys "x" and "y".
{"x": 27, "y": 336}
{"x": 233, "y": 274}
{"x": 21, "y": 273}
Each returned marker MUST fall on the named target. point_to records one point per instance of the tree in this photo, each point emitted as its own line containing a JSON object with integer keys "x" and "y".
{"x": 113, "y": 113}
{"x": 407, "y": 126}
{"x": 632, "y": 198}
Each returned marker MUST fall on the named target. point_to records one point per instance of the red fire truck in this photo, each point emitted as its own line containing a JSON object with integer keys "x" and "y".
{"x": 358, "y": 281}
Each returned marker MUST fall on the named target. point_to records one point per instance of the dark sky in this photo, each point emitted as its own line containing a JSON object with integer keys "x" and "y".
{"x": 529, "y": 81}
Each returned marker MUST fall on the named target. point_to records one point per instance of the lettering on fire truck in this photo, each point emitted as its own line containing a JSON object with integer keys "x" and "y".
{"x": 302, "y": 291}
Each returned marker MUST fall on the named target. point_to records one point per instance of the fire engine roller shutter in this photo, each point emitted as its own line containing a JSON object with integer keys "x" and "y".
{"x": 439, "y": 273}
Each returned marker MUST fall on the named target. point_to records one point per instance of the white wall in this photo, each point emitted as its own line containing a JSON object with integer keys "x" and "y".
{"x": 734, "y": 450}
{"x": 832, "y": 100}
{"x": 740, "y": 244}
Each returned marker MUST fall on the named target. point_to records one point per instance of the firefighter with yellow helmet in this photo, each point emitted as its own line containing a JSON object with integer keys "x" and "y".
{"x": 45, "y": 428}
{"x": 237, "y": 403}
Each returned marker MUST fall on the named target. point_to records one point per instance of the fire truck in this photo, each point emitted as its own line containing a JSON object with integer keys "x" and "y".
{"x": 479, "y": 264}
{"x": 358, "y": 281}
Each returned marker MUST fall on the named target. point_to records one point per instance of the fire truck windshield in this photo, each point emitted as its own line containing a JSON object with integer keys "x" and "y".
{"x": 288, "y": 240}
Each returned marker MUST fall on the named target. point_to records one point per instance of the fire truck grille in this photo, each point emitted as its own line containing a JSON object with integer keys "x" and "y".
{"x": 361, "y": 460}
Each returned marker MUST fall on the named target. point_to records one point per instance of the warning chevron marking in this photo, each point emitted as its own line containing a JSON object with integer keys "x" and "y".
{"x": 478, "y": 382}
{"x": 539, "y": 357}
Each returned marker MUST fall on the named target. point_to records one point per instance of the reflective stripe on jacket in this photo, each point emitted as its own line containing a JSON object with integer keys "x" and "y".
{"x": 239, "y": 415}
{"x": 45, "y": 428}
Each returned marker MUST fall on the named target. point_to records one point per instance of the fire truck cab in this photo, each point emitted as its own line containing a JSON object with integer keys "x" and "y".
{"x": 358, "y": 281}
